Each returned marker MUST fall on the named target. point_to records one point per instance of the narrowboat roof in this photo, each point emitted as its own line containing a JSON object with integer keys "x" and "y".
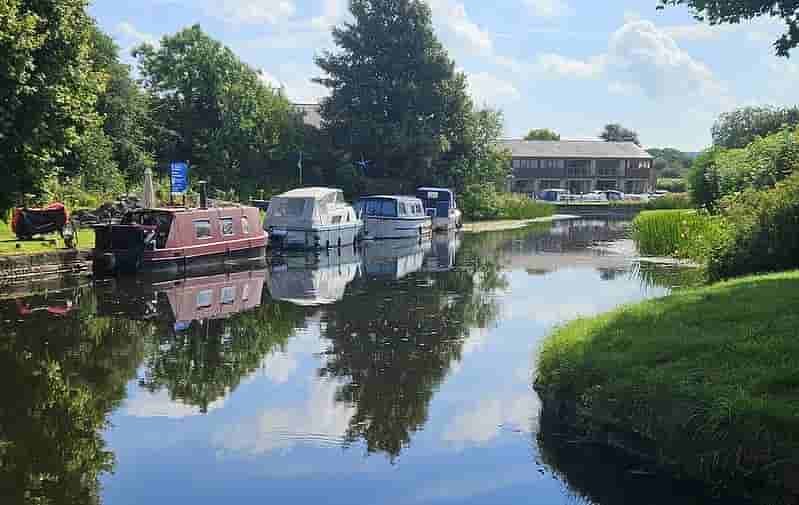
{"x": 175, "y": 210}
{"x": 308, "y": 193}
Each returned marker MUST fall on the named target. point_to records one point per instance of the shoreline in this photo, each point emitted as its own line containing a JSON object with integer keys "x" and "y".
{"x": 512, "y": 224}
{"x": 700, "y": 381}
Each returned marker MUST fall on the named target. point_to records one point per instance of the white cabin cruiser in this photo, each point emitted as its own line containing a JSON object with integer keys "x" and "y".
{"x": 393, "y": 217}
{"x": 439, "y": 203}
{"x": 312, "y": 218}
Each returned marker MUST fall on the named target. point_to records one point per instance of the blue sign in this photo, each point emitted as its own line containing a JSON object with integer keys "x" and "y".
{"x": 179, "y": 171}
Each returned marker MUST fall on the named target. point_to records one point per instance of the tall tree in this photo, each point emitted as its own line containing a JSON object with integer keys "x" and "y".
{"x": 615, "y": 132}
{"x": 395, "y": 98}
{"x": 214, "y": 110}
{"x": 740, "y": 127}
{"x": 718, "y": 12}
{"x": 542, "y": 134}
{"x": 48, "y": 89}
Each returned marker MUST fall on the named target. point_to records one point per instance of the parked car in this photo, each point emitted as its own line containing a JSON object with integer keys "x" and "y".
{"x": 553, "y": 195}
{"x": 611, "y": 195}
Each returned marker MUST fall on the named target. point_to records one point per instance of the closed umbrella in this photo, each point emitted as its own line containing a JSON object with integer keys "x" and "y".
{"x": 148, "y": 193}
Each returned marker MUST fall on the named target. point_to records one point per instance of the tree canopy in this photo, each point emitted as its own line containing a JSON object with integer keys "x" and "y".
{"x": 670, "y": 162}
{"x": 395, "y": 97}
{"x": 740, "y": 127}
{"x": 542, "y": 134}
{"x": 718, "y": 12}
{"x": 48, "y": 89}
{"x": 615, "y": 132}
{"x": 214, "y": 110}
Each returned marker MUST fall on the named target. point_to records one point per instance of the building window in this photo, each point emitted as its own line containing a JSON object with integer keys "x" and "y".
{"x": 517, "y": 163}
{"x": 607, "y": 168}
{"x": 579, "y": 187}
{"x": 226, "y": 225}
{"x": 245, "y": 226}
{"x": 548, "y": 184}
{"x": 604, "y": 184}
{"x": 578, "y": 168}
{"x": 202, "y": 229}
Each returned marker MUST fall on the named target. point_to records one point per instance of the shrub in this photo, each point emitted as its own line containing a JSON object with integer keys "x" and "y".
{"x": 674, "y": 185}
{"x": 482, "y": 202}
{"x": 760, "y": 232}
{"x": 671, "y": 201}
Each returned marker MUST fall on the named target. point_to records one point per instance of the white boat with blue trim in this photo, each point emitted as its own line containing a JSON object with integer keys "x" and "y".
{"x": 388, "y": 216}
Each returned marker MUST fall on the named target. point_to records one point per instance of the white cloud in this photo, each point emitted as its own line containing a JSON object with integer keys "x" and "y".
{"x": 333, "y": 13}
{"x": 135, "y": 35}
{"x": 489, "y": 417}
{"x": 251, "y": 11}
{"x": 158, "y": 404}
{"x": 451, "y": 16}
{"x": 556, "y": 65}
{"x": 488, "y": 89}
{"x": 549, "y": 8}
{"x": 279, "y": 367}
{"x": 321, "y": 420}
{"x": 650, "y": 57}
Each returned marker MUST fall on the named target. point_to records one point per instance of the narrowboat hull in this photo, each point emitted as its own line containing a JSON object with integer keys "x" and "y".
{"x": 322, "y": 237}
{"x": 129, "y": 262}
{"x": 378, "y": 227}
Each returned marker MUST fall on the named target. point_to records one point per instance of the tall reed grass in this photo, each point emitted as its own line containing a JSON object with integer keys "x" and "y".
{"x": 679, "y": 233}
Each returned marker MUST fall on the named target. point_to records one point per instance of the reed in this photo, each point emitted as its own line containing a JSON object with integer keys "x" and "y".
{"x": 680, "y": 233}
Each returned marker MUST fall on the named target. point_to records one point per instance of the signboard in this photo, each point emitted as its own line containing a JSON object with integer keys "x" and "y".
{"x": 179, "y": 173}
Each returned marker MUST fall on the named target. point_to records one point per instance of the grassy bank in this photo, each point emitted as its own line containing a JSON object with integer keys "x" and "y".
{"x": 708, "y": 375}
{"x": 10, "y": 245}
{"x": 486, "y": 204}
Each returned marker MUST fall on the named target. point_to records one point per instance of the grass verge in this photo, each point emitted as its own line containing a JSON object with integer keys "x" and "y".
{"x": 10, "y": 245}
{"x": 708, "y": 375}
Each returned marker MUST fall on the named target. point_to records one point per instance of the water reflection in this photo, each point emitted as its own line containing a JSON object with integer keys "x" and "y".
{"x": 246, "y": 380}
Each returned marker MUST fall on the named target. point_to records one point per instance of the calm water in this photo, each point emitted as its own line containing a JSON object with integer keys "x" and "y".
{"x": 397, "y": 374}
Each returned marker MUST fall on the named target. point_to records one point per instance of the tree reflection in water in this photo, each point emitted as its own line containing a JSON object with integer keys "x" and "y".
{"x": 61, "y": 376}
{"x": 395, "y": 342}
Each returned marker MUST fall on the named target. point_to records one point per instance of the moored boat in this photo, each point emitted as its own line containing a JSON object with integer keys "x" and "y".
{"x": 440, "y": 205}
{"x": 312, "y": 218}
{"x": 178, "y": 240}
{"x": 393, "y": 217}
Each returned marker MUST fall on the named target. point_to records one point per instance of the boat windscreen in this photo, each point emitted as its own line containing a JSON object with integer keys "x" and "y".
{"x": 288, "y": 207}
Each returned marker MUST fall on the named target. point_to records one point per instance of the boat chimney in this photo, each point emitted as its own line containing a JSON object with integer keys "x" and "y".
{"x": 203, "y": 194}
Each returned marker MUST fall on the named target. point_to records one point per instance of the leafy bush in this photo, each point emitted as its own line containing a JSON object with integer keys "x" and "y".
{"x": 674, "y": 185}
{"x": 681, "y": 233}
{"x": 760, "y": 232}
{"x": 483, "y": 202}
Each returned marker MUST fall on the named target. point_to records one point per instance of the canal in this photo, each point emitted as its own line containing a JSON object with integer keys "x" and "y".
{"x": 398, "y": 373}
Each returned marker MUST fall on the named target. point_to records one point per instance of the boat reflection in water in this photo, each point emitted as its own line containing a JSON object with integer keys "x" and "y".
{"x": 314, "y": 279}
{"x": 442, "y": 254}
{"x": 394, "y": 259}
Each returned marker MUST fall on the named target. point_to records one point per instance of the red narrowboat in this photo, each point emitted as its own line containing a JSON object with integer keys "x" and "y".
{"x": 178, "y": 240}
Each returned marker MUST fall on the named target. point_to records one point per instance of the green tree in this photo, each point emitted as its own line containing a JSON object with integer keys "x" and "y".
{"x": 215, "y": 111}
{"x": 395, "y": 97}
{"x": 615, "y": 132}
{"x": 48, "y": 89}
{"x": 542, "y": 134}
{"x": 670, "y": 162}
{"x": 717, "y": 12}
{"x": 740, "y": 127}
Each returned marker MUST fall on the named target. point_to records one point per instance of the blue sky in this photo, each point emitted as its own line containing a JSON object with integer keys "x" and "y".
{"x": 569, "y": 65}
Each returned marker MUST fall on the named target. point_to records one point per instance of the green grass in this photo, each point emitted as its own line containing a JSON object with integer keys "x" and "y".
{"x": 48, "y": 243}
{"x": 710, "y": 375}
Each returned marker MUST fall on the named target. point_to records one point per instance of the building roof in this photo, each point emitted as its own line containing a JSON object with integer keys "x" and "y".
{"x": 310, "y": 114}
{"x": 592, "y": 149}
{"x": 308, "y": 193}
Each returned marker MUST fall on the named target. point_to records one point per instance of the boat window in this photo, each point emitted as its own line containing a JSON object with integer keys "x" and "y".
{"x": 335, "y": 219}
{"x": 339, "y": 197}
{"x": 373, "y": 207}
{"x": 205, "y": 298}
{"x": 228, "y": 295}
{"x": 245, "y": 226}
{"x": 402, "y": 210}
{"x": 388, "y": 208}
{"x": 287, "y": 207}
{"x": 202, "y": 228}
{"x": 226, "y": 225}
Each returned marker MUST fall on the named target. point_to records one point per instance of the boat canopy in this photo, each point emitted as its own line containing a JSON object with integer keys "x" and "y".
{"x": 303, "y": 207}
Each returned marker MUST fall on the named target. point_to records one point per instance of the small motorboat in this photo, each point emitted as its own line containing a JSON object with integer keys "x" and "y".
{"x": 393, "y": 217}
{"x": 311, "y": 218}
{"x": 440, "y": 205}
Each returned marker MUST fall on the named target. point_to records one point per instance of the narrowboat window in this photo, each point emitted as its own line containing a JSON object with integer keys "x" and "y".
{"x": 245, "y": 292}
{"x": 226, "y": 225}
{"x": 335, "y": 219}
{"x": 205, "y": 298}
{"x": 245, "y": 226}
{"x": 228, "y": 295}
{"x": 202, "y": 228}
